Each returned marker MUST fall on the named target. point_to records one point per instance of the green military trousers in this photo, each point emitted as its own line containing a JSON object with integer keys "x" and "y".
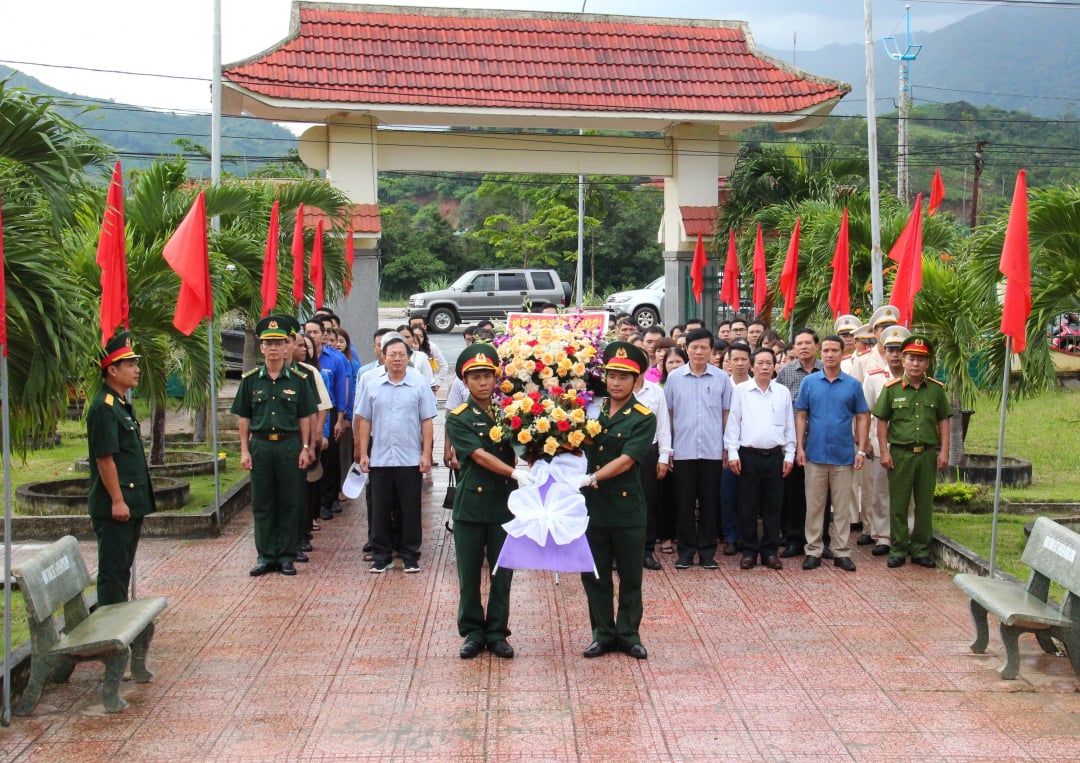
{"x": 623, "y": 546}
{"x": 277, "y": 497}
{"x": 117, "y": 542}
{"x": 914, "y": 475}
{"x": 471, "y": 541}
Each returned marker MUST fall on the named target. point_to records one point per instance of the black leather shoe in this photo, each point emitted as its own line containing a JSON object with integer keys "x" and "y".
{"x": 325, "y": 514}
{"x": 895, "y": 561}
{"x": 637, "y": 651}
{"x": 811, "y": 563}
{"x": 302, "y": 557}
{"x": 306, "y": 546}
{"x": 747, "y": 563}
{"x": 287, "y": 568}
{"x": 864, "y": 540}
{"x": 596, "y": 649}
{"x": 650, "y": 563}
{"x": 844, "y": 563}
{"x": 773, "y": 563}
{"x": 261, "y": 569}
{"x": 470, "y": 649}
{"x": 881, "y": 549}
{"x": 501, "y": 648}
{"x": 366, "y": 548}
{"x": 827, "y": 553}
{"x": 791, "y": 551}
{"x": 729, "y": 549}
{"x": 924, "y": 561}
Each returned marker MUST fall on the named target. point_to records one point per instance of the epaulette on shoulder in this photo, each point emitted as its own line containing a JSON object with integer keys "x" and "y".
{"x": 891, "y": 382}
{"x": 459, "y": 410}
{"x": 873, "y": 371}
{"x": 643, "y": 410}
{"x": 935, "y": 381}
{"x": 109, "y": 399}
{"x": 300, "y": 373}
{"x": 249, "y": 373}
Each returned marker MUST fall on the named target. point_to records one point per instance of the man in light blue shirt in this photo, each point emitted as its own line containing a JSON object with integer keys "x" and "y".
{"x": 698, "y": 397}
{"x": 831, "y": 416}
{"x": 394, "y": 434}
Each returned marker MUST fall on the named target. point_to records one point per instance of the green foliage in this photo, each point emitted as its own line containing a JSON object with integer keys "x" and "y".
{"x": 956, "y": 493}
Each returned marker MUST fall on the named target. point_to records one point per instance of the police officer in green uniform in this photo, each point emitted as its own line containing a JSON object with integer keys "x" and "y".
{"x": 913, "y": 433}
{"x": 275, "y": 405}
{"x": 120, "y": 490}
{"x": 616, "y": 504}
{"x": 485, "y": 481}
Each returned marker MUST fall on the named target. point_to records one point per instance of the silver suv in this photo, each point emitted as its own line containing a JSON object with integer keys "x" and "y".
{"x": 488, "y": 294}
{"x": 646, "y": 305}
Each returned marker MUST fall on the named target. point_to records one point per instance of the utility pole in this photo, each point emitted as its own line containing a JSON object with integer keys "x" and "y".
{"x": 876, "y": 258}
{"x": 910, "y": 52}
{"x": 975, "y": 181}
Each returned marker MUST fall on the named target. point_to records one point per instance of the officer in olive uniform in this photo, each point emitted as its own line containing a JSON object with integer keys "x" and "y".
{"x": 275, "y": 405}
{"x": 120, "y": 490}
{"x": 485, "y": 481}
{"x": 913, "y": 433}
{"x": 616, "y": 504}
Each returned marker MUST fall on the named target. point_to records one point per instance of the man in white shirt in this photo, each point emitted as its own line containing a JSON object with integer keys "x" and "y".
{"x": 656, "y": 464}
{"x": 760, "y": 443}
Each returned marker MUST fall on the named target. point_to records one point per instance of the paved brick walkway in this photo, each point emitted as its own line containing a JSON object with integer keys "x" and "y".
{"x": 336, "y": 664}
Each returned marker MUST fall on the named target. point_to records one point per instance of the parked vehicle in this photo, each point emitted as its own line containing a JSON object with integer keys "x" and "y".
{"x": 645, "y": 305}
{"x": 488, "y": 294}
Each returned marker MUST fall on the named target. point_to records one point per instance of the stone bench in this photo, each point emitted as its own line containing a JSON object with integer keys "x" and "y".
{"x": 1053, "y": 554}
{"x": 55, "y": 578}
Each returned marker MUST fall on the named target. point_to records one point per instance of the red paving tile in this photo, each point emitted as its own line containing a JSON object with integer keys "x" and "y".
{"x": 339, "y": 665}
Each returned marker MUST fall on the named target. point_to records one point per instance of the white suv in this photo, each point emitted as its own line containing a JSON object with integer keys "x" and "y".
{"x": 646, "y": 305}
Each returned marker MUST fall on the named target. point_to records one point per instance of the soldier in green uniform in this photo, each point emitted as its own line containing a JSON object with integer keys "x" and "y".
{"x": 616, "y": 504}
{"x": 275, "y": 405}
{"x": 120, "y": 490}
{"x": 487, "y": 469}
{"x": 913, "y": 434}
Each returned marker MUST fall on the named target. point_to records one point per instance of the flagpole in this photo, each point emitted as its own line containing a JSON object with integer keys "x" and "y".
{"x": 213, "y": 422}
{"x": 1000, "y": 450}
{"x": 7, "y": 534}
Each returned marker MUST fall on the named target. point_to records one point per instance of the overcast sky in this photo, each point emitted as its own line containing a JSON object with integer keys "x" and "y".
{"x": 154, "y": 37}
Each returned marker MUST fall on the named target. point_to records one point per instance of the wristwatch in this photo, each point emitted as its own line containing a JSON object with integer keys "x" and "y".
{"x": 862, "y": 453}
{"x": 592, "y": 480}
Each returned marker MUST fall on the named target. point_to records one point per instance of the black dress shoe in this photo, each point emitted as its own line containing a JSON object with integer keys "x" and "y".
{"x": 881, "y": 549}
{"x": 637, "y": 651}
{"x": 773, "y": 563}
{"x": 896, "y": 561}
{"x": 287, "y": 568}
{"x": 747, "y": 563}
{"x": 366, "y": 548}
{"x": 306, "y": 545}
{"x": 650, "y": 563}
{"x": 325, "y": 514}
{"x": 729, "y": 549}
{"x": 844, "y": 563}
{"x": 302, "y": 557}
{"x": 470, "y": 649}
{"x": 501, "y": 648}
{"x": 827, "y": 553}
{"x": 791, "y": 551}
{"x": 864, "y": 540}
{"x": 924, "y": 561}
{"x": 811, "y": 563}
{"x": 596, "y": 649}
{"x": 261, "y": 569}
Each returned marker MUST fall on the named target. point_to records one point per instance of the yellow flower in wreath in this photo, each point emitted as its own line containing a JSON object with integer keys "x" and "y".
{"x": 558, "y": 414}
{"x": 542, "y": 425}
{"x": 551, "y": 446}
{"x": 507, "y": 387}
{"x": 524, "y": 437}
{"x": 578, "y": 415}
{"x": 575, "y": 438}
{"x": 593, "y": 427}
{"x": 496, "y": 434}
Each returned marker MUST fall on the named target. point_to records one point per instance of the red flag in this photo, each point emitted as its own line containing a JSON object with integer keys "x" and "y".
{"x": 908, "y": 279}
{"x": 350, "y": 257}
{"x": 937, "y": 192}
{"x": 761, "y": 277}
{"x": 3, "y": 290}
{"x": 730, "y": 291}
{"x": 789, "y": 277}
{"x": 316, "y": 274}
{"x": 697, "y": 270}
{"x": 839, "y": 294}
{"x": 112, "y": 259}
{"x": 187, "y": 253}
{"x": 269, "y": 279}
{"x": 298, "y": 256}
{"x": 1016, "y": 267}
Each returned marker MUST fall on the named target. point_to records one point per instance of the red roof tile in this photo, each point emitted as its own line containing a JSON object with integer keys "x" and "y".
{"x": 699, "y": 220}
{"x": 455, "y": 58}
{"x": 363, "y": 219}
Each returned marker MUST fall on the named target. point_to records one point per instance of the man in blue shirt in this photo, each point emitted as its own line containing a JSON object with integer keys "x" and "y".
{"x": 831, "y": 416}
{"x": 698, "y": 397}
{"x": 339, "y": 375}
{"x": 394, "y": 434}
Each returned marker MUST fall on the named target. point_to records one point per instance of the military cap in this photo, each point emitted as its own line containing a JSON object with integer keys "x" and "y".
{"x": 273, "y": 327}
{"x": 478, "y": 357}
{"x": 292, "y": 325}
{"x": 894, "y": 335}
{"x": 118, "y": 348}
{"x": 917, "y": 344}
{"x": 846, "y": 324}
{"x": 623, "y": 356}
{"x": 864, "y": 332}
{"x": 884, "y": 315}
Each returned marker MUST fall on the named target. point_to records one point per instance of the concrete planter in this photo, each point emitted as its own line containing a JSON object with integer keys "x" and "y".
{"x": 60, "y": 497}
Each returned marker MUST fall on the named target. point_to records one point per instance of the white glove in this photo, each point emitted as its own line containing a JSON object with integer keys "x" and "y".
{"x": 522, "y": 477}
{"x": 587, "y": 480}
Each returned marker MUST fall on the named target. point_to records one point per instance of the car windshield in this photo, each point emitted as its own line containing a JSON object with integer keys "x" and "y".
{"x": 659, "y": 282}
{"x": 463, "y": 281}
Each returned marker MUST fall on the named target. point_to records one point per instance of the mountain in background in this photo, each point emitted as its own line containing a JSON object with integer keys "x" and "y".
{"x": 1013, "y": 58}
{"x": 140, "y": 135}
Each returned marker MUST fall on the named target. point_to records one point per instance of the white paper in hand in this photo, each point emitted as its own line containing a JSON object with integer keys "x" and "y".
{"x": 354, "y": 483}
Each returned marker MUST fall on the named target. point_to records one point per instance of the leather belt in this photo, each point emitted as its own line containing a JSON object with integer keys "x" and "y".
{"x": 778, "y": 450}
{"x": 274, "y": 436}
{"x": 914, "y": 447}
